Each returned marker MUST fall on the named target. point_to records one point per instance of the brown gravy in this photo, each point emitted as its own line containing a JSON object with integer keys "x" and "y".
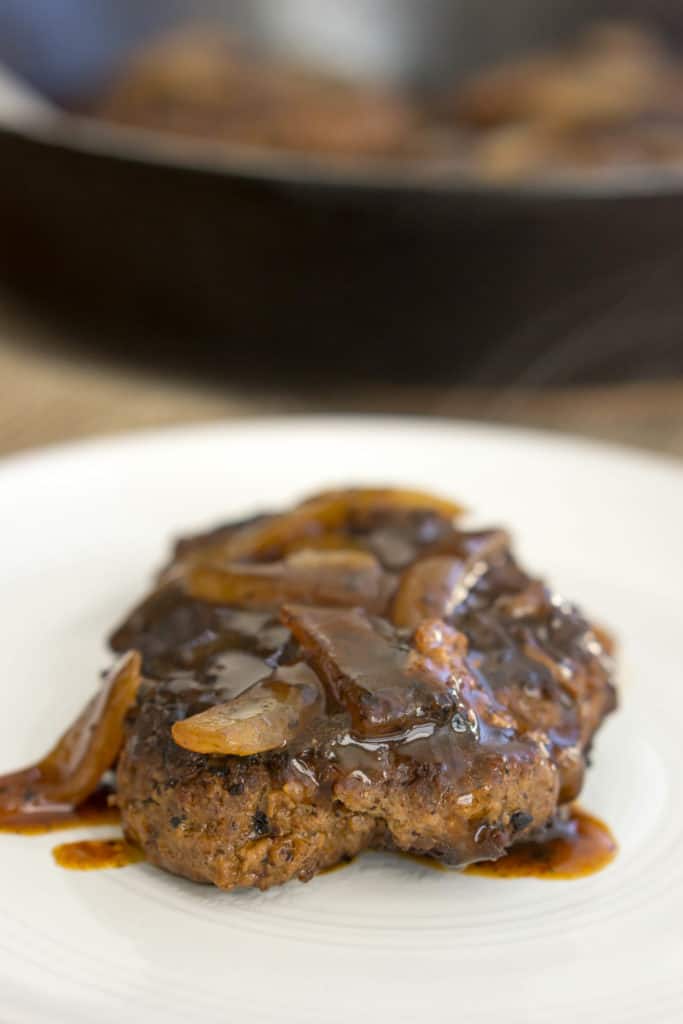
{"x": 93, "y": 811}
{"x": 92, "y": 854}
{"x": 587, "y": 847}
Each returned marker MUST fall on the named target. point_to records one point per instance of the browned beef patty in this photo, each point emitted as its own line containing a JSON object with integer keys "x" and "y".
{"x": 454, "y": 697}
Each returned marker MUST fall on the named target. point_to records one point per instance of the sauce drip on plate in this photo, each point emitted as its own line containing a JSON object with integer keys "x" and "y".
{"x": 93, "y": 811}
{"x": 92, "y": 854}
{"x": 578, "y": 847}
{"x": 584, "y": 846}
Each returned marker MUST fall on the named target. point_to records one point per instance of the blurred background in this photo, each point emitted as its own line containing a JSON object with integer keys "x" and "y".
{"x": 226, "y": 208}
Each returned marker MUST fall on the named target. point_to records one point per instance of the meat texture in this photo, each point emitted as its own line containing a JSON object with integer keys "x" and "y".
{"x": 358, "y": 672}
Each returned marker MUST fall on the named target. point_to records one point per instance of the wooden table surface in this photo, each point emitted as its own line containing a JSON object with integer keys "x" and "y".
{"x": 49, "y": 394}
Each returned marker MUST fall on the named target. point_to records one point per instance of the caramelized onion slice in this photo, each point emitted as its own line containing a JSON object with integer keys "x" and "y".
{"x": 359, "y": 499}
{"x": 433, "y": 587}
{"x": 266, "y": 716}
{"x": 369, "y": 670}
{"x": 326, "y": 512}
{"x": 347, "y": 578}
{"x": 428, "y": 589}
{"x": 73, "y": 768}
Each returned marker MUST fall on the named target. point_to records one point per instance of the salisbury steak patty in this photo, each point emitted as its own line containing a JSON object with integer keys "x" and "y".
{"x": 359, "y": 672}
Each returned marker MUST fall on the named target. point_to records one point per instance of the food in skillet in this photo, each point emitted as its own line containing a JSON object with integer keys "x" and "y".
{"x": 358, "y": 672}
{"x": 610, "y": 98}
{"x": 202, "y": 83}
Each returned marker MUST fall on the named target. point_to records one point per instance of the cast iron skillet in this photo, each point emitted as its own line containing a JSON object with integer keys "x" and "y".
{"x": 257, "y": 263}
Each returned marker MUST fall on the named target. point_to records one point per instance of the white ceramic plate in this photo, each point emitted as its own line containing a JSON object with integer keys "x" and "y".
{"x": 385, "y": 939}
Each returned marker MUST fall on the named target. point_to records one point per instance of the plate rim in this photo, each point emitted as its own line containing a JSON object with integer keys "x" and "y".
{"x": 108, "y": 441}
{"x": 633, "y": 460}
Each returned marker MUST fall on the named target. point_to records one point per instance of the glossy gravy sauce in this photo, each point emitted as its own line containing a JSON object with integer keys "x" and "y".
{"x": 92, "y": 854}
{"x": 96, "y": 810}
{"x": 585, "y": 847}
{"x": 84, "y": 854}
